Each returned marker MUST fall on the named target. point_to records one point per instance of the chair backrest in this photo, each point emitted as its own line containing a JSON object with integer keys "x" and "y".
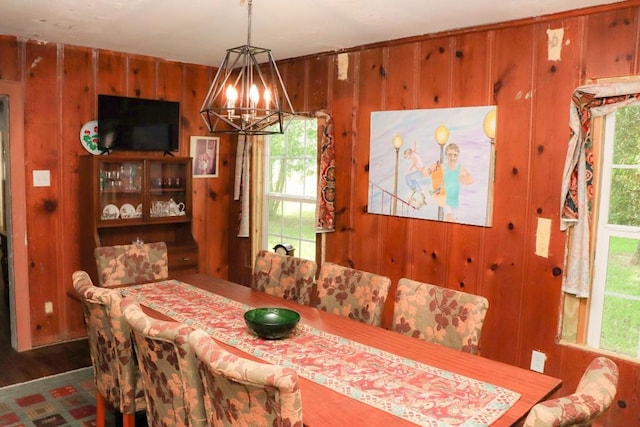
{"x": 356, "y": 294}
{"x": 593, "y": 396}
{"x": 439, "y": 315}
{"x": 242, "y": 392}
{"x": 133, "y": 263}
{"x": 284, "y": 276}
{"x": 114, "y": 364}
{"x": 173, "y": 388}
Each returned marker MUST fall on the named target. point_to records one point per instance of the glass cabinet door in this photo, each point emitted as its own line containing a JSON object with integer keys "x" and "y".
{"x": 167, "y": 189}
{"x": 121, "y": 190}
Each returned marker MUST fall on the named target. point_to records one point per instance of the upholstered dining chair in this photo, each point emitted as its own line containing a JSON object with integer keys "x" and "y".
{"x": 593, "y": 396}
{"x": 439, "y": 315}
{"x": 172, "y": 386}
{"x": 242, "y": 392}
{"x": 115, "y": 368}
{"x": 132, "y": 263}
{"x": 284, "y": 276}
{"x": 356, "y": 294}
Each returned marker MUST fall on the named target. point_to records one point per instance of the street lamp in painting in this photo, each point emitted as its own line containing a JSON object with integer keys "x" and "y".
{"x": 489, "y": 127}
{"x": 397, "y": 143}
{"x": 442, "y": 136}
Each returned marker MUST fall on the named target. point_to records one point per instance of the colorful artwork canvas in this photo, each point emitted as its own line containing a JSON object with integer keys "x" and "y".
{"x": 434, "y": 164}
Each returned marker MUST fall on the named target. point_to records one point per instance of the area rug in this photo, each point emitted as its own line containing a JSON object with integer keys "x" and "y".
{"x": 66, "y": 399}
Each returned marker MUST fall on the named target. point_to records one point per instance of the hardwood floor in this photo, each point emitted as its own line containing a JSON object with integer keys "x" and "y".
{"x": 18, "y": 367}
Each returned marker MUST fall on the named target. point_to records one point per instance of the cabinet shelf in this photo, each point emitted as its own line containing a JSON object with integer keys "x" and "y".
{"x": 166, "y": 190}
{"x": 109, "y": 223}
{"x": 132, "y": 198}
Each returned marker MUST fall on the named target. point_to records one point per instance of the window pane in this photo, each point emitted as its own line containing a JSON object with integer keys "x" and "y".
{"x": 626, "y": 150}
{"x": 621, "y": 311}
{"x": 275, "y": 216}
{"x": 277, "y": 144}
{"x": 311, "y": 178}
{"x": 276, "y": 176}
{"x": 624, "y": 201}
{"x": 291, "y": 188}
{"x": 295, "y": 177}
{"x": 291, "y": 219}
{"x": 623, "y": 267}
{"x": 307, "y": 250}
{"x": 308, "y": 221}
{"x": 620, "y": 325}
{"x": 311, "y": 140}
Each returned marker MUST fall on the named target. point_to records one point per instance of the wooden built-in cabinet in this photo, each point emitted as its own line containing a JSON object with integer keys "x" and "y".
{"x": 133, "y": 199}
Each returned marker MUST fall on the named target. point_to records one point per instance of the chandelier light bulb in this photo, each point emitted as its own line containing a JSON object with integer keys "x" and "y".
{"x": 232, "y": 96}
{"x": 254, "y": 95}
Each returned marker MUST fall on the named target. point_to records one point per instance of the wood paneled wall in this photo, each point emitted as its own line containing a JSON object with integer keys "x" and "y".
{"x": 61, "y": 84}
{"x": 505, "y": 65}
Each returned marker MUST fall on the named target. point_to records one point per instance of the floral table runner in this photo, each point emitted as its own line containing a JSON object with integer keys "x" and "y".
{"x": 405, "y": 388}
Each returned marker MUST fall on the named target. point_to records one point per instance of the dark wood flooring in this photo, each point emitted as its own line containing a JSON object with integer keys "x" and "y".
{"x": 17, "y": 367}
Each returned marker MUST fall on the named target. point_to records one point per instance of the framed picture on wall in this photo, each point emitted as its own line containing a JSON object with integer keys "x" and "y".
{"x": 434, "y": 164}
{"x": 204, "y": 152}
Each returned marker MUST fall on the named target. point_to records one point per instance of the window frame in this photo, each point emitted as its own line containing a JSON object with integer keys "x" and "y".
{"x": 602, "y": 232}
{"x": 267, "y": 195}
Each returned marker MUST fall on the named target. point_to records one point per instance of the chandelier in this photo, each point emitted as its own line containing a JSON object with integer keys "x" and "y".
{"x": 247, "y": 95}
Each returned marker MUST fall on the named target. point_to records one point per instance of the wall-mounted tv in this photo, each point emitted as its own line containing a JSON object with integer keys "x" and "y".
{"x": 137, "y": 124}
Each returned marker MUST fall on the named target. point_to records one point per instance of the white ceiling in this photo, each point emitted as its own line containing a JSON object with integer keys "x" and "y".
{"x": 199, "y": 31}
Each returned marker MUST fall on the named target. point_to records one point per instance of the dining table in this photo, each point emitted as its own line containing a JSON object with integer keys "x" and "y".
{"x": 351, "y": 373}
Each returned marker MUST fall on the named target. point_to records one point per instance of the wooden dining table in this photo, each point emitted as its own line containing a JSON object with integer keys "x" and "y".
{"x": 324, "y": 406}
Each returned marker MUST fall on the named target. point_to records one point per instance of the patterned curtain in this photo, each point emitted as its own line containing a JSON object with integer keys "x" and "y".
{"x": 577, "y": 178}
{"x": 242, "y": 189}
{"x": 326, "y": 212}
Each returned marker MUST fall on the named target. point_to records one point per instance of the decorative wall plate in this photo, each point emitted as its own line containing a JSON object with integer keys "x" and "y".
{"x": 89, "y": 137}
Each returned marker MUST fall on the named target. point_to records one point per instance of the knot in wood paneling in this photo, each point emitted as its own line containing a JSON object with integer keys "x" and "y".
{"x": 50, "y": 205}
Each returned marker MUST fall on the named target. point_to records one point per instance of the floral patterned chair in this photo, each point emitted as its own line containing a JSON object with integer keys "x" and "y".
{"x": 439, "y": 315}
{"x": 356, "y": 294}
{"x": 284, "y": 276}
{"x": 241, "y": 392}
{"x": 594, "y": 394}
{"x": 115, "y": 368}
{"x": 173, "y": 388}
{"x": 134, "y": 263}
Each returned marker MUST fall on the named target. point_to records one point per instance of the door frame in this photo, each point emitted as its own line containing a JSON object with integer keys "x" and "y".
{"x": 16, "y": 220}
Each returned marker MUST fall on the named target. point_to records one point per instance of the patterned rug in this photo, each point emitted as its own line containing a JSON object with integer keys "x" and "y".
{"x": 66, "y": 399}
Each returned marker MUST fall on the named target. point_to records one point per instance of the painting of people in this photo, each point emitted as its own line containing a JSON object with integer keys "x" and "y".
{"x": 434, "y": 164}
{"x": 204, "y": 152}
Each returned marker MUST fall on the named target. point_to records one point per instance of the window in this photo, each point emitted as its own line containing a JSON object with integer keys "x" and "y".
{"x": 290, "y": 188}
{"x": 614, "y": 313}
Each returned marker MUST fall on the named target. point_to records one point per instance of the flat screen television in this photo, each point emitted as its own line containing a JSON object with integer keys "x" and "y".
{"x": 137, "y": 124}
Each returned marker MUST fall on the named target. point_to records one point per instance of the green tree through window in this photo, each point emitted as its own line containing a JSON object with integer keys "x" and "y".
{"x": 291, "y": 182}
{"x": 614, "y": 314}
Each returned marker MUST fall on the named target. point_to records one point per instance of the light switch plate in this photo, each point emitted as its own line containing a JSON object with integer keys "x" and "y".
{"x": 41, "y": 178}
{"x": 537, "y": 361}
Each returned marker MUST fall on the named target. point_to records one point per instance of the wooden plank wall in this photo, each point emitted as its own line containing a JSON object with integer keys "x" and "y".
{"x": 61, "y": 84}
{"x": 506, "y": 65}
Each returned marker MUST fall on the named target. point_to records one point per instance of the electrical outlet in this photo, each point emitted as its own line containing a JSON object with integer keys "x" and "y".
{"x": 537, "y": 361}
{"x": 48, "y": 307}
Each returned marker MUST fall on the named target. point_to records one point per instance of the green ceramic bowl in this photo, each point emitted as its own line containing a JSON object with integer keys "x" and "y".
{"x": 271, "y": 323}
